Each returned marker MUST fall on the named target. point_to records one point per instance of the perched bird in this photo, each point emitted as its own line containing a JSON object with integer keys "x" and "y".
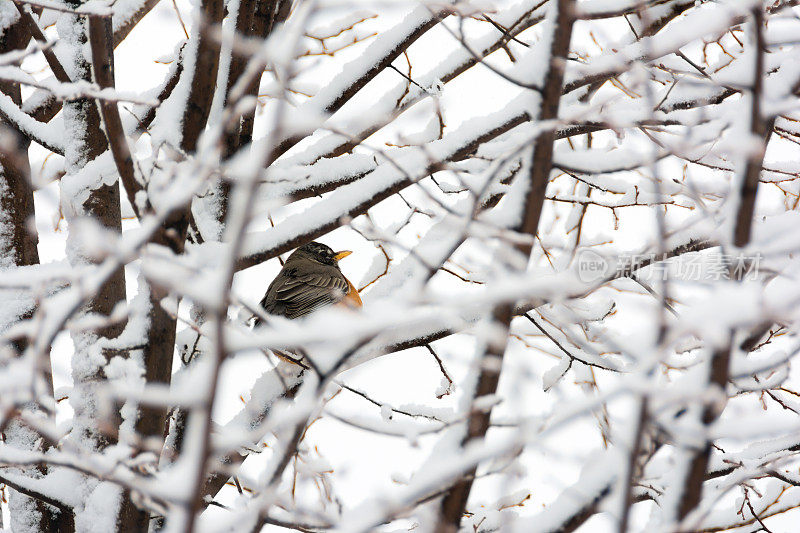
{"x": 310, "y": 279}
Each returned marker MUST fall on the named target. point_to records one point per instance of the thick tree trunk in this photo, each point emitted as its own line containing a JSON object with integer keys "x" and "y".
{"x": 101, "y": 204}
{"x": 95, "y": 425}
{"x": 161, "y": 332}
{"x": 18, "y": 237}
{"x": 18, "y": 247}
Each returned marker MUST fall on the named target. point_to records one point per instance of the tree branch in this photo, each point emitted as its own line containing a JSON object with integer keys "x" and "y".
{"x": 103, "y": 63}
{"x": 720, "y": 359}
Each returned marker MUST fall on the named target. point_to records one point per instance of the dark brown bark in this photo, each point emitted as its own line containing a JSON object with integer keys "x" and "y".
{"x": 46, "y": 107}
{"x": 582, "y": 514}
{"x": 673, "y": 9}
{"x": 232, "y": 135}
{"x": 268, "y": 14}
{"x": 18, "y": 247}
{"x": 24, "y": 30}
{"x": 542, "y": 159}
{"x": 18, "y": 238}
{"x": 633, "y": 472}
{"x": 255, "y": 19}
{"x": 158, "y": 362}
{"x": 131, "y": 519}
{"x": 454, "y": 502}
{"x": 27, "y": 20}
{"x": 57, "y": 516}
{"x": 244, "y": 27}
{"x": 204, "y": 76}
{"x": 696, "y": 475}
{"x": 760, "y": 128}
{"x": 100, "y": 36}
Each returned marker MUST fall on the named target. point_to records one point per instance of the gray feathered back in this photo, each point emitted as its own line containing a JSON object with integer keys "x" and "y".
{"x": 305, "y": 283}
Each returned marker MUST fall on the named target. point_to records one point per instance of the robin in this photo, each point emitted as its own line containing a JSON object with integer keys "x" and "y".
{"x": 310, "y": 279}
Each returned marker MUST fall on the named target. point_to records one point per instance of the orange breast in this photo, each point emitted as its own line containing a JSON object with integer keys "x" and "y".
{"x": 352, "y": 298}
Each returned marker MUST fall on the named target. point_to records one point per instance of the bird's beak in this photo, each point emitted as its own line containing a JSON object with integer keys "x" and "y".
{"x": 342, "y": 254}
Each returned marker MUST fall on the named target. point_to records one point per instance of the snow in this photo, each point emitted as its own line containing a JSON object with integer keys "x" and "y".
{"x": 552, "y": 376}
{"x": 50, "y": 137}
{"x": 284, "y": 180}
{"x": 708, "y": 21}
{"x": 387, "y": 428}
{"x": 76, "y": 187}
{"x": 8, "y": 16}
{"x": 381, "y": 47}
{"x": 376, "y": 185}
{"x": 595, "y": 481}
{"x": 95, "y": 517}
{"x": 124, "y": 11}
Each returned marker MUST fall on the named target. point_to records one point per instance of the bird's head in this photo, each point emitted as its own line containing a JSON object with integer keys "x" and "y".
{"x": 316, "y": 251}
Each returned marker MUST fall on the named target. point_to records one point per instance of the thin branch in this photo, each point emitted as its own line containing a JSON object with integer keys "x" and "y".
{"x": 21, "y": 485}
{"x": 102, "y": 59}
{"x": 33, "y": 27}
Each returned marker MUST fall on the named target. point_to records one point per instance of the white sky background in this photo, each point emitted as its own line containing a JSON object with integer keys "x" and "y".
{"x": 364, "y": 464}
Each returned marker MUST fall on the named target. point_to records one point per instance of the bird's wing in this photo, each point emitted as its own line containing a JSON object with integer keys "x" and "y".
{"x": 295, "y": 293}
